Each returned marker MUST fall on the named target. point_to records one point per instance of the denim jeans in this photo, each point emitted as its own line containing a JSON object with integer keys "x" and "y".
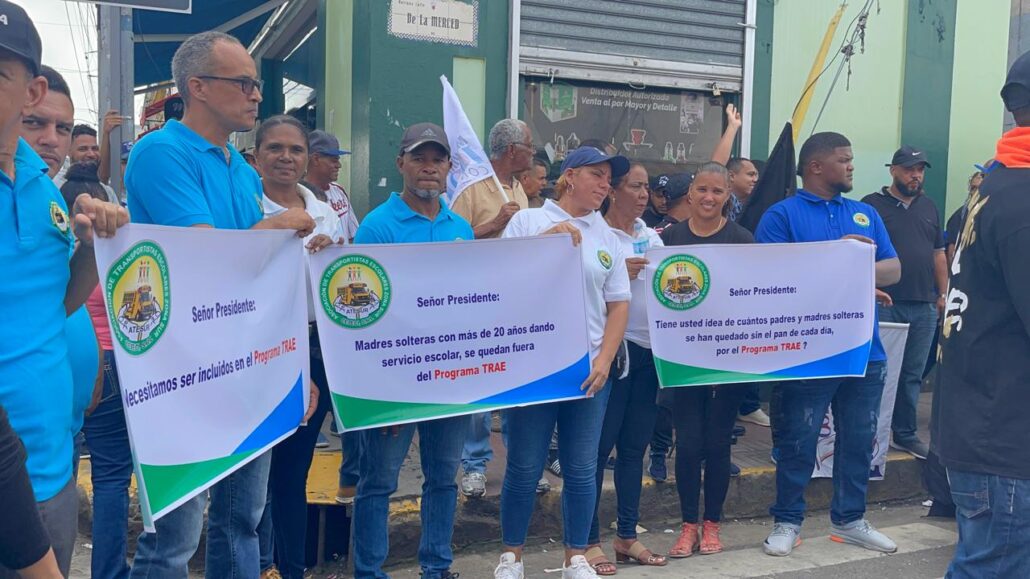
{"x": 752, "y": 400}
{"x": 803, "y": 405}
{"x": 662, "y": 438}
{"x": 111, "y": 458}
{"x": 350, "y": 467}
{"x": 628, "y": 424}
{"x": 921, "y": 318}
{"x": 237, "y": 503}
{"x": 440, "y": 442}
{"x": 477, "y": 451}
{"x": 287, "y": 484}
{"x": 529, "y": 435}
{"x": 993, "y": 515}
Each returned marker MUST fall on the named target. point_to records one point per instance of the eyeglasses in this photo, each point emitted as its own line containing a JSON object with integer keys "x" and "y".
{"x": 247, "y": 84}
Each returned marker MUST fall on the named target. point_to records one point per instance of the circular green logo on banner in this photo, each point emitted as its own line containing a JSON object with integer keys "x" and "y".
{"x": 681, "y": 282}
{"x": 139, "y": 297}
{"x": 355, "y": 291}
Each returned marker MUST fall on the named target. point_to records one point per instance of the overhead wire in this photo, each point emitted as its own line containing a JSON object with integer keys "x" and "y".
{"x": 848, "y": 50}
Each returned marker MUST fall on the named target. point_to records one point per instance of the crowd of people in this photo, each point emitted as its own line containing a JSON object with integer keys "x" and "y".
{"x": 58, "y": 375}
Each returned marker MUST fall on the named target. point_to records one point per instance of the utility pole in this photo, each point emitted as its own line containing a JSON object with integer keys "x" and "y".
{"x": 116, "y": 82}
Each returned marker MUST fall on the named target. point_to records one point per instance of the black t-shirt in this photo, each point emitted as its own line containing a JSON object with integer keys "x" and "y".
{"x": 980, "y": 407}
{"x": 954, "y": 226}
{"x": 652, "y": 217}
{"x": 680, "y": 234}
{"x": 916, "y": 234}
{"x": 665, "y": 223}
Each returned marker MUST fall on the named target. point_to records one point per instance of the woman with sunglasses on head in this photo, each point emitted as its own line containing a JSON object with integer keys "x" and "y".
{"x": 704, "y": 415}
{"x": 586, "y": 179}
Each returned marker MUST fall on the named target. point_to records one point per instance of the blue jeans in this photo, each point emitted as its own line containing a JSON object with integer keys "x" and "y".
{"x": 993, "y": 515}
{"x": 477, "y": 451}
{"x": 752, "y": 400}
{"x": 921, "y": 318}
{"x": 237, "y": 503}
{"x": 111, "y": 458}
{"x": 529, "y": 435}
{"x": 383, "y": 453}
{"x": 628, "y": 424}
{"x": 803, "y": 405}
{"x": 350, "y": 467}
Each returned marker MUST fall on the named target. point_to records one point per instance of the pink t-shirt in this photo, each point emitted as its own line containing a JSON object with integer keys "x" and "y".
{"x": 97, "y": 313}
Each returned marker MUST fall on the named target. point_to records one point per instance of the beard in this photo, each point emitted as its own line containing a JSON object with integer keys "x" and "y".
{"x": 427, "y": 194}
{"x": 843, "y": 187}
{"x": 906, "y": 191}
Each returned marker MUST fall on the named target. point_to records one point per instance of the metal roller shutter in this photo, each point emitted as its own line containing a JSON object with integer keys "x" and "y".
{"x": 687, "y": 44}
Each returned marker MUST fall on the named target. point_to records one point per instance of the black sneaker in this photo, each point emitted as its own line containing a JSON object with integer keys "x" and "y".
{"x": 447, "y": 575}
{"x": 656, "y": 469}
{"x": 734, "y": 470}
{"x": 739, "y": 430}
{"x": 555, "y": 467}
{"x": 610, "y": 465}
{"x": 915, "y": 447}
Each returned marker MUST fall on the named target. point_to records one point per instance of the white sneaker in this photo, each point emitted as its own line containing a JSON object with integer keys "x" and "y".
{"x": 863, "y": 534}
{"x": 757, "y": 417}
{"x": 578, "y": 568}
{"x": 509, "y": 568}
{"x": 782, "y": 540}
{"x": 473, "y": 484}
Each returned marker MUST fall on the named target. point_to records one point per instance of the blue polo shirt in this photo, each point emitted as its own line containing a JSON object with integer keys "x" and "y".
{"x": 807, "y": 217}
{"x": 395, "y": 222}
{"x": 176, "y": 177}
{"x": 35, "y": 373}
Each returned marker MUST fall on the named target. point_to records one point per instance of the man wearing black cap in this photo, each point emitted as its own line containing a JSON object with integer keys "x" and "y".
{"x": 676, "y": 207}
{"x": 323, "y": 171}
{"x": 656, "y": 204}
{"x": 40, "y": 286}
{"x": 914, "y": 225}
{"x": 415, "y": 215}
{"x": 979, "y": 417}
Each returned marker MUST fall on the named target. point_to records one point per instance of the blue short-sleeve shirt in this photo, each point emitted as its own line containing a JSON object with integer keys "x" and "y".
{"x": 807, "y": 217}
{"x": 395, "y": 222}
{"x": 176, "y": 177}
{"x": 35, "y": 373}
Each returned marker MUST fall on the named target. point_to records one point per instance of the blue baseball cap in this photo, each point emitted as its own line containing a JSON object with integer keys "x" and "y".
{"x": 583, "y": 156}
{"x": 322, "y": 143}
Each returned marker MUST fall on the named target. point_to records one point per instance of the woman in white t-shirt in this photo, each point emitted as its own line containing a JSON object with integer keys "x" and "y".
{"x": 586, "y": 179}
{"x": 281, "y": 151}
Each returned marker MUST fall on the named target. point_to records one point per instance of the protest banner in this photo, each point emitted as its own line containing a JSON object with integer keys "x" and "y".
{"x": 211, "y": 348}
{"x": 721, "y": 314}
{"x": 422, "y": 331}
{"x": 894, "y": 337}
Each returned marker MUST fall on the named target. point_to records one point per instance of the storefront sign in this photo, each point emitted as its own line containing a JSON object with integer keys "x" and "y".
{"x": 443, "y": 21}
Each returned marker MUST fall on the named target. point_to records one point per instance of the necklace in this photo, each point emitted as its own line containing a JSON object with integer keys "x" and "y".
{"x": 713, "y": 231}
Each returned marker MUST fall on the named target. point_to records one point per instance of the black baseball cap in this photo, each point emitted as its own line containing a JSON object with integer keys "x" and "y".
{"x": 909, "y": 156}
{"x": 659, "y": 182}
{"x": 678, "y": 185}
{"x": 18, "y": 35}
{"x": 421, "y": 133}
{"x": 1016, "y": 92}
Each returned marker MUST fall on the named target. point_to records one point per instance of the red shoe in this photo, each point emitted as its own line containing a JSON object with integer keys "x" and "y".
{"x": 687, "y": 543}
{"x": 710, "y": 543}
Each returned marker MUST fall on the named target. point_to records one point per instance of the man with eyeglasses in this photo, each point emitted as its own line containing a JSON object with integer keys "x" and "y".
{"x": 488, "y": 210}
{"x": 187, "y": 175}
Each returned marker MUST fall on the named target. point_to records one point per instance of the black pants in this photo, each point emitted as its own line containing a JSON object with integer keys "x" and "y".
{"x": 288, "y": 478}
{"x": 703, "y": 417}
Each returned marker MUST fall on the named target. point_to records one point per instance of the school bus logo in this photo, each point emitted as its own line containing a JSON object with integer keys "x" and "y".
{"x": 681, "y": 282}
{"x": 861, "y": 219}
{"x": 355, "y": 291}
{"x": 139, "y": 297}
{"x": 605, "y": 258}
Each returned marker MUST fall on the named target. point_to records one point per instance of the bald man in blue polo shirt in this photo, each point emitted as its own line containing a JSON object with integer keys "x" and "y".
{"x": 39, "y": 288}
{"x": 819, "y": 212}
{"x": 187, "y": 175}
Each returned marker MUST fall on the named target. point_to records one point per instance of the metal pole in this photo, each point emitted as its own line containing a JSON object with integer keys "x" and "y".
{"x": 116, "y": 82}
{"x": 749, "y": 77}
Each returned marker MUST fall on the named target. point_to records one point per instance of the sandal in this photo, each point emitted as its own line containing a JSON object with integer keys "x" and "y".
{"x": 687, "y": 543}
{"x": 640, "y": 555}
{"x": 599, "y": 562}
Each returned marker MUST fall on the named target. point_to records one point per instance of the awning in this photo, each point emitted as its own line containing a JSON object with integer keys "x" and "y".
{"x": 159, "y": 34}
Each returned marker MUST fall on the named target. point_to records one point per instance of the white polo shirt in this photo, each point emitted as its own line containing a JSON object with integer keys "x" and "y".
{"x": 635, "y": 246}
{"x": 603, "y": 283}
{"x": 326, "y": 222}
{"x": 340, "y": 203}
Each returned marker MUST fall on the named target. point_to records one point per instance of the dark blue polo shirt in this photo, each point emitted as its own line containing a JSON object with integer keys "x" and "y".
{"x": 807, "y": 217}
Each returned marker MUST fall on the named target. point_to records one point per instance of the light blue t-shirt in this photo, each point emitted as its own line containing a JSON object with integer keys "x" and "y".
{"x": 35, "y": 373}
{"x": 808, "y": 217}
{"x": 395, "y": 222}
{"x": 176, "y": 177}
{"x": 84, "y": 358}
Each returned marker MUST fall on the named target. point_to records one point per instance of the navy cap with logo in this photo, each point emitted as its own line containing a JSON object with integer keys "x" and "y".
{"x": 678, "y": 185}
{"x": 908, "y": 156}
{"x": 421, "y": 133}
{"x": 583, "y": 156}
{"x": 18, "y": 35}
{"x": 1016, "y": 92}
{"x": 659, "y": 182}
{"x": 322, "y": 143}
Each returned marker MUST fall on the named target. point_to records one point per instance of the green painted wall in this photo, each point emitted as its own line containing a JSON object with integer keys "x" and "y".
{"x": 869, "y": 114}
{"x": 762, "y": 88}
{"x": 378, "y": 84}
{"x": 981, "y": 62}
{"x": 930, "y": 48}
{"x": 336, "y": 43}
